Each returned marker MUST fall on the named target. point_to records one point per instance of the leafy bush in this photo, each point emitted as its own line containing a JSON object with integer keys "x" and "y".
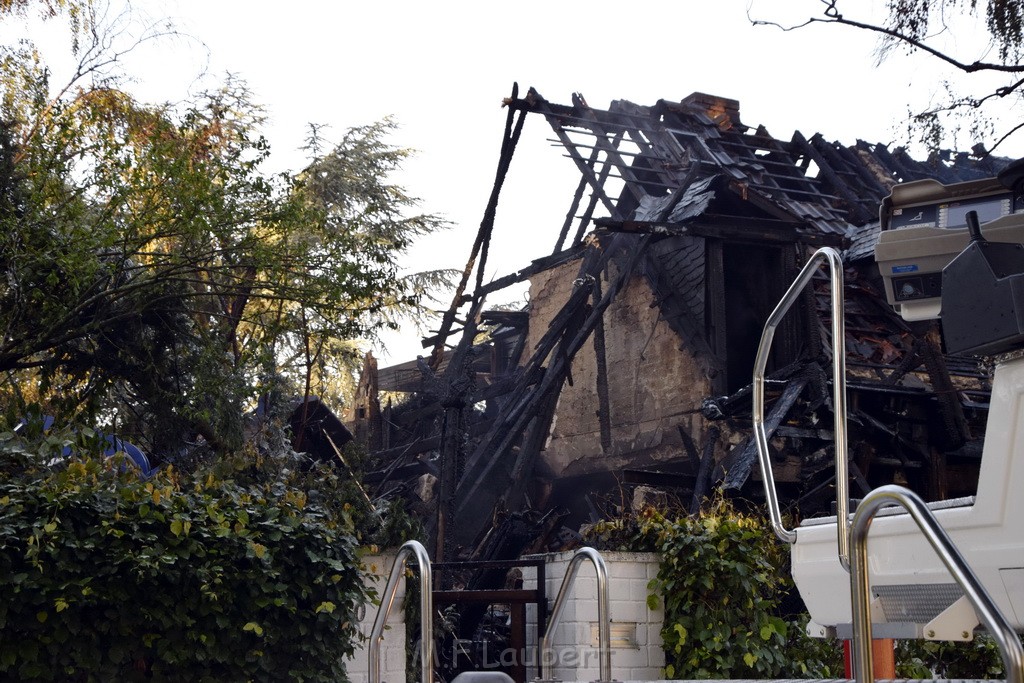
{"x": 381, "y": 523}
{"x": 976, "y": 659}
{"x": 723, "y": 578}
{"x": 104, "y": 576}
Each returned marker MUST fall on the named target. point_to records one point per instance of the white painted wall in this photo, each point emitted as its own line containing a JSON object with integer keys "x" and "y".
{"x": 638, "y": 654}
{"x": 376, "y": 569}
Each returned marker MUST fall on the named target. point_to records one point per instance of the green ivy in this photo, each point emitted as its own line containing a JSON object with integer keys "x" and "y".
{"x": 722, "y": 579}
{"x": 104, "y": 576}
{"x": 975, "y": 659}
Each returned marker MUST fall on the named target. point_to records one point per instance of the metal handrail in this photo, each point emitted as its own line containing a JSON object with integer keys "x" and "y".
{"x": 987, "y": 611}
{"x": 603, "y": 628}
{"x": 831, "y": 257}
{"x": 387, "y": 599}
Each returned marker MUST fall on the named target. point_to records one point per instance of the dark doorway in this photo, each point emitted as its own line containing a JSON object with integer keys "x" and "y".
{"x": 755, "y": 279}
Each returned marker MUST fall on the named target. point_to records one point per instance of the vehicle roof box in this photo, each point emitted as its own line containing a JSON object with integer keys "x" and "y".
{"x": 983, "y": 299}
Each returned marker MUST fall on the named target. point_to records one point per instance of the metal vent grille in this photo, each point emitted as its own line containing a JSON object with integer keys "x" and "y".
{"x": 916, "y": 603}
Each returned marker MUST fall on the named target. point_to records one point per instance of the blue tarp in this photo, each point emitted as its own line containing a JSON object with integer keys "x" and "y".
{"x": 114, "y": 445}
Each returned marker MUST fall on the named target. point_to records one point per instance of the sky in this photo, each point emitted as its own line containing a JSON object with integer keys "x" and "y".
{"x": 440, "y": 69}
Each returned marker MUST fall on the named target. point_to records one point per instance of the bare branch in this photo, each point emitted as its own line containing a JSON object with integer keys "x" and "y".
{"x": 1006, "y": 135}
{"x": 833, "y": 16}
{"x": 916, "y": 24}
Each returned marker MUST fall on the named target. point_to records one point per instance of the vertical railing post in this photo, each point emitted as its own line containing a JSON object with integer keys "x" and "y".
{"x": 831, "y": 257}
{"x": 603, "y": 617}
{"x": 387, "y": 599}
{"x": 988, "y": 613}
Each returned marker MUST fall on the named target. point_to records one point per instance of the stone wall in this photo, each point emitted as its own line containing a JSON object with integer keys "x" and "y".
{"x": 654, "y": 387}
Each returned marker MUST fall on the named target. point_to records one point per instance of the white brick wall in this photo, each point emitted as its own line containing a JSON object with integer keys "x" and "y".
{"x": 377, "y": 568}
{"x": 575, "y": 655}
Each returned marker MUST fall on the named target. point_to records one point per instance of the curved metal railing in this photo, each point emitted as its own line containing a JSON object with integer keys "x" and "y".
{"x": 387, "y": 599}
{"x": 988, "y": 613}
{"x": 603, "y": 626}
{"x": 831, "y": 257}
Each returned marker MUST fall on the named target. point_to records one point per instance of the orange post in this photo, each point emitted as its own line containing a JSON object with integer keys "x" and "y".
{"x": 883, "y": 654}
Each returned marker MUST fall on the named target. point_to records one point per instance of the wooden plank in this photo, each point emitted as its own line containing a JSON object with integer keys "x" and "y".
{"x": 740, "y": 465}
{"x": 487, "y": 597}
{"x": 538, "y": 266}
{"x": 707, "y": 460}
{"x": 513, "y": 129}
{"x": 427, "y": 444}
{"x": 570, "y": 215}
{"x": 603, "y": 399}
{"x": 414, "y": 469}
{"x": 730, "y": 228}
{"x": 950, "y": 408}
{"x": 532, "y": 408}
{"x": 830, "y": 174}
{"x": 714, "y": 274}
{"x": 487, "y": 564}
{"x": 584, "y": 219}
{"x": 582, "y": 165}
{"x": 517, "y": 640}
{"x": 656, "y": 478}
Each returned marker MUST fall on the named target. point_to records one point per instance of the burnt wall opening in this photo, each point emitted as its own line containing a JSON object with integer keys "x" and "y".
{"x": 754, "y": 279}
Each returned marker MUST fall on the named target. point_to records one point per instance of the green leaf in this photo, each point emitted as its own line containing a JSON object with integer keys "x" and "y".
{"x": 252, "y": 626}
{"x": 749, "y": 659}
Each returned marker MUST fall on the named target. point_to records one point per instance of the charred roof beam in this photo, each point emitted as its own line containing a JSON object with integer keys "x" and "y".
{"x": 728, "y": 228}
{"x": 584, "y": 218}
{"x": 858, "y": 212}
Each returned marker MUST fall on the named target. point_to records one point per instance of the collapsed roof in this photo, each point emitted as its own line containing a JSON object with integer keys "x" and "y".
{"x": 684, "y": 212}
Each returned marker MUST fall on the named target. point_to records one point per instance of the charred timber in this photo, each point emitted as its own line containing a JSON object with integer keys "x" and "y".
{"x": 728, "y": 228}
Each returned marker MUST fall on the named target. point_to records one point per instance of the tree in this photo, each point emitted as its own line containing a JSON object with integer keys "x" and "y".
{"x": 154, "y": 274}
{"x": 947, "y": 31}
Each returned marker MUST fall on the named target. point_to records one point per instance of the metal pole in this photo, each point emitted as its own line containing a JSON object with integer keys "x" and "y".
{"x": 603, "y": 616}
{"x": 831, "y": 257}
{"x": 986, "y": 609}
{"x": 387, "y": 599}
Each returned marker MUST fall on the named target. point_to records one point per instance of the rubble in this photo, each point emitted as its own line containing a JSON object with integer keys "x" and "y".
{"x": 631, "y": 366}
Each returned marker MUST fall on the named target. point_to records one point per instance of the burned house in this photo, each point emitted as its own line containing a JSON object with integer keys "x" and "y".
{"x": 632, "y": 363}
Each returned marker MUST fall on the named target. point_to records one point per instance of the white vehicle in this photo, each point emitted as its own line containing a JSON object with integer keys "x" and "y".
{"x": 934, "y": 265}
